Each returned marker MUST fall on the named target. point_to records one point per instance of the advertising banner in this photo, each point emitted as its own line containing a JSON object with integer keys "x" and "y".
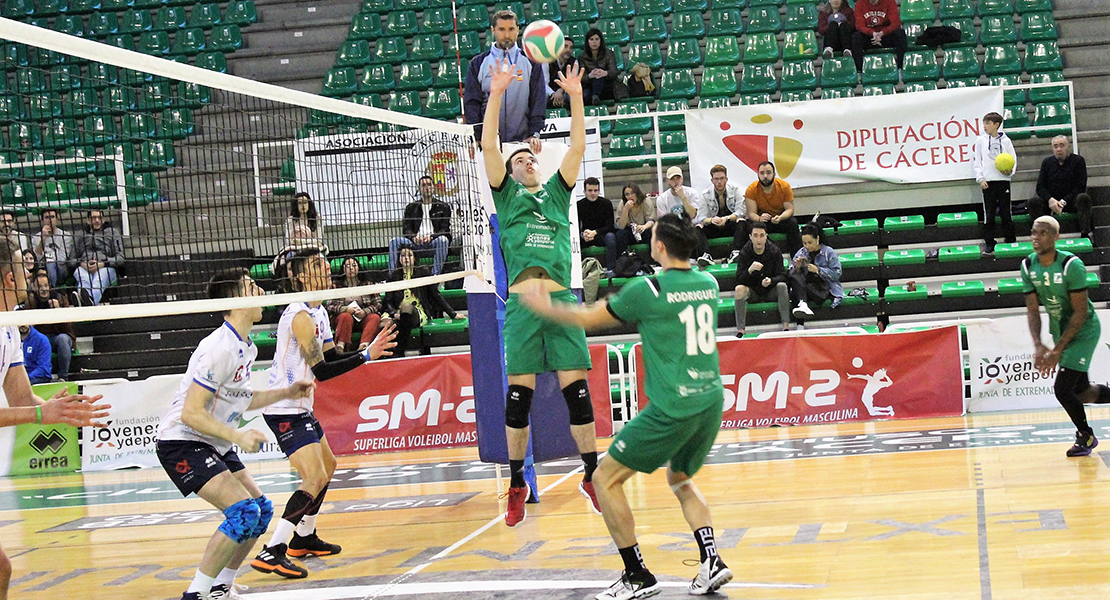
{"x": 901, "y": 138}
{"x": 1001, "y": 362}
{"x": 44, "y": 449}
{"x": 840, "y": 378}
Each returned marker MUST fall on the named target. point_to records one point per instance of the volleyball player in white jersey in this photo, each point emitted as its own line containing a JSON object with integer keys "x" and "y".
{"x": 305, "y": 350}
{"x": 23, "y": 405}
{"x": 195, "y": 438}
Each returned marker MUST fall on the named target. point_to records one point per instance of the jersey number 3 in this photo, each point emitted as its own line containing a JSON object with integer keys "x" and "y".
{"x": 700, "y": 338}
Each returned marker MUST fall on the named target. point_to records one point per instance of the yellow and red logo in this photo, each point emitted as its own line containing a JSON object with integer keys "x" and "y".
{"x": 752, "y": 149}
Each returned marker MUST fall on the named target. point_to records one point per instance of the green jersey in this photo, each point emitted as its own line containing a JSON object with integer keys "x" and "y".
{"x": 535, "y": 227}
{"x": 1053, "y": 285}
{"x": 676, "y": 313}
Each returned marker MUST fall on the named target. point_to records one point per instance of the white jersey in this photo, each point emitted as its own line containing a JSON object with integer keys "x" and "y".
{"x": 11, "y": 350}
{"x": 221, "y": 364}
{"x": 289, "y": 366}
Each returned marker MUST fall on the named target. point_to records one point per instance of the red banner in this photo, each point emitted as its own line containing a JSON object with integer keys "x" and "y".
{"x": 838, "y": 378}
{"x": 421, "y": 403}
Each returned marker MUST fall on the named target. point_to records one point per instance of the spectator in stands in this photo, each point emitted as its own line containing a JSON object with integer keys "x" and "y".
{"x": 97, "y": 254}
{"x": 680, "y": 198}
{"x": 426, "y": 226}
{"x": 760, "y": 277}
{"x": 1062, "y": 186}
{"x": 345, "y": 312}
{"x": 556, "y": 97}
{"x": 303, "y": 226}
{"x": 994, "y": 183}
{"x": 7, "y": 229}
{"x": 36, "y": 354}
{"x": 413, "y": 307}
{"x": 728, "y": 214}
{"x": 638, "y": 83}
{"x": 835, "y": 25}
{"x": 595, "y": 222}
{"x": 600, "y": 66}
{"x": 636, "y": 216}
{"x": 770, "y": 200}
{"x": 53, "y": 244}
{"x": 61, "y": 335}
{"x": 814, "y": 275}
{"x": 522, "y": 112}
{"x": 878, "y": 25}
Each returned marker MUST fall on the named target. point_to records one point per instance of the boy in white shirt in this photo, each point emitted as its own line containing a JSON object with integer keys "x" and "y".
{"x": 995, "y": 183}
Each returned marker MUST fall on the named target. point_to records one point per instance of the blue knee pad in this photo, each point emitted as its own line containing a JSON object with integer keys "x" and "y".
{"x": 265, "y": 514}
{"x": 240, "y": 519}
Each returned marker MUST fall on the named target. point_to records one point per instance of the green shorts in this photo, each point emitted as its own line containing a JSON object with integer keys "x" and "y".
{"x": 536, "y": 345}
{"x": 653, "y": 438}
{"x": 1077, "y": 356}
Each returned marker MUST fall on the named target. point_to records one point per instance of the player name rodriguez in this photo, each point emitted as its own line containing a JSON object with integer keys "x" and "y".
{"x": 694, "y": 296}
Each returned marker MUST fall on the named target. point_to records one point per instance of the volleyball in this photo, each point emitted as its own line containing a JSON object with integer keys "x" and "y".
{"x": 1004, "y": 162}
{"x": 543, "y": 41}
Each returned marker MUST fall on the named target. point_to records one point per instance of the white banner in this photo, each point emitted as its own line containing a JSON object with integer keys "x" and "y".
{"x": 901, "y": 138}
{"x": 137, "y": 410}
{"x": 1001, "y": 360}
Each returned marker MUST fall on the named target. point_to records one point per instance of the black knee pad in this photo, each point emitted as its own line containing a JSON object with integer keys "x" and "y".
{"x": 517, "y": 404}
{"x": 1070, "y": 382}
{"x": 579, "y": 405}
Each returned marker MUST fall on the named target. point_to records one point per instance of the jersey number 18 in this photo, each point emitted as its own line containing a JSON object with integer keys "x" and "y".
{"x": 699, "y": 329}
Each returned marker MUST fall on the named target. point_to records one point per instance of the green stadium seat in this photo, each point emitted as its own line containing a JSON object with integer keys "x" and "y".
{"x": 801, "y": 17}
{"x": 1012, "y": 285}
{"x": 725, "y": 21}
{"x": 1028, "y": 6}
{"x": 177, "y": 123}
{"x": 14, "y": 55}
{"x": 153, "y": 96}
{"x": 1052, "y": 113}
{"x": 851, "y": 260}
{"x": 401, "y": 23}
{"x": 998, "y": 29}
{"x": 678, "y": 83}
{"x": 99, "y": 129}
{"x": 43, "y": 107}
{"x": 960, "y": 63}
{"x": 918, "y": 11}
{"x": 226, "y": 38}
{"x": 575, "y": 30}
{"x": 427, "y": 46}
{"x": 1015, "y": 116}
{"x": 115, "y": 5}
{"x": 102, "y": 25}
{"x": 920, "y": 65}
{"x": 1010, "y": 96}
{"x": 796, "y": 96}
{"x": 619, "y": 8}
{"x": 353, "y": 53}
{"x": 720, "y": 81}
{"x": 83, "y": 7}
{"x": 758, "y": 78}
{"x": 687, "y": 24}
{"x": 1000, "y": 60}
{"x": 188, "y": 42}
{"x": 904, "y": 223}
{"x": 878, "y": 89}
{"x": 1043, "y": 56}
{"x": 968, "y": 34}
{"x": 722, "y": 102}
{"x": 368, "y": 99}
{"x": 960, "y": 219}
{"x": 437, "y": 20}
{"x": 155, "y": 155}
{"x": 142, "y": 189}
{"x": 517, "y": 8}
{"x": 24, "y": 136}
{"x": 169, "y": 18}
{"x": 761, "y": 47}
{"x": 959, "y": 253}
{"x": 621, "y": 146}
{"x": 673, "y": 142}
{"x": 1047, "y": 94}
{"x": 556, "y": 113}
{"x": 18, "y": 192}
{"x": 70, "y": 25}
{"x": 63, "y": 78}
{"x": 119, "y": 100}
{"x": 135, "y": 21}
{"x": 40, "y": 171}
{"x": 49, "y": 8}
{"x": 695, "y": 5}
{"x": 995, "y": 7}
{"x": 62, "y": 133}
{"x": 212, "y": 61}
{"x": 894, "y": 258}
{"x": 913, "y": 31}
{"x": 366, "y": 26}
{"x": 241, "y": 13}
{"x": 448, "y": 74}
{"x": 879, "y": 69}
{"x": 581, "y": 10}
{"x": 415, "y": 75}
{"x": 473, "y": 17}
{"x": 654, "y": 7}
{"x": 627, "y": 126}
{"x": 204, "y": 16}
{"x": 98, "y": 186}
{"x": 763, "y": 19}
{"x": 961, "y": 82}
{"x": 647, "y": 53}
{"x": 376, "y": 6}
{"x": 649, "y": 28}
{"x": 901, "y": 293}
{"x": 683, "y": 52}
{"x": 615, "y": 32}
{"x": 59, "y": 191}
{"x": 157, "y": 43}
{"x": 600, "y": 110}
{"x": 672, "y": 122}
{"x": 538, "y": 9}
{"x": 1079, "y": 245}
{"x": 417, "y": 5}
{"x": 1038, "y": 27}
{"x": 320, "y": 117}
{"x": 1013, "y": 250}
{"x": 722, "y": 50}
{"x": 312, "y": 130}
{"x": 799, "y": 45}
{"x": 390, "y": 50}
{"x": 346, "y": 128}
{"x": 405, "y": 102}
{"x": 29, "y": 80}
{"x": 798, "y": 75}
{"x": 443, "y": 104}
{"x": 340, "y": 82}
{"x": 838, "y": 72}
{"x": 962, "y": 289}
{"x": 956, "y": 9}
{"x": 855, "y": 226}
{"x": 750, "y": 99}
{"x": 137, "y": 127}
{"x": 919, "y": 86}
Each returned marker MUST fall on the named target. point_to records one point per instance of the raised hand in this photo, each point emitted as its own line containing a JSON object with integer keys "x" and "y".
{"x": 501, "y": 74}
{"x": 381, "y": 344}
{"x": 251, "y": 440}
{"x": 77, "y": 410}
{"x": 570, "y": 80}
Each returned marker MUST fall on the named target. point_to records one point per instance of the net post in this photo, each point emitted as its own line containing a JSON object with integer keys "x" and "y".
{"x": 121, "y": 192}
{"x": 257, "y": 183}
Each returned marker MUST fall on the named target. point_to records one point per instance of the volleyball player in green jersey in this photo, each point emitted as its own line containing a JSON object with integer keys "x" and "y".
{"x": 1058, "y": 280}
{"x": 683, "y": 385}
{"x": 534, "y": 221}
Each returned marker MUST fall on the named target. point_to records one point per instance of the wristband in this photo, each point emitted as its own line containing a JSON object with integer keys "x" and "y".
{"x": 38, "y": 414}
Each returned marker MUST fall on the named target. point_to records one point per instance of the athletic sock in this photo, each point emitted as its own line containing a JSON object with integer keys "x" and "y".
{"x": 307, "y": 525}
{"x": 226, "y": 577}
{"x": 516, "y": 473}
{"x": 590, "y": 460}
{"x": 633, "y": 560}
{"x": 201, "y": 584}
{"x": 283, "y": 532}
{"x": 706, "y": 545}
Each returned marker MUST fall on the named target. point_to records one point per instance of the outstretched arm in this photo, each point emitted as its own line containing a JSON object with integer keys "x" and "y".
{"x": 596, "y": 316}
{"x": 500, "y": 78}
{"x": 571, "y": 83}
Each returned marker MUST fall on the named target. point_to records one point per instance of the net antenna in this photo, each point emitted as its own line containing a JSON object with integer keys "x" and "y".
{"x": 170, "y": 154}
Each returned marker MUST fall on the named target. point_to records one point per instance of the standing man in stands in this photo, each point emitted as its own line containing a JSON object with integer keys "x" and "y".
{"x": 1062, "y": 186}
{"x": 770, "y": 201}
{"x": 522, "y": 113}
{"x": 878, "y": 25}
{"x": 426, "y": 226}
{"x": 729, "y": 216}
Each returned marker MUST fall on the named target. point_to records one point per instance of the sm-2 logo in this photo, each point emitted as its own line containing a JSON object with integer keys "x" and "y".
{"x": 383, "y": 412}
{"x": 819, "y": 391}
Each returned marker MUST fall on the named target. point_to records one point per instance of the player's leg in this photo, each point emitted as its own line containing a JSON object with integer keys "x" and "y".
{"x": 222, "y": 588}
{"x": 576, "y": 392}
{"x": 305, "y": 541}
{"x": 1069, "y": 384}
{"x": 5, "y": 574}
{"x": 523, "y": 359}
{"x": 241, "y": 518}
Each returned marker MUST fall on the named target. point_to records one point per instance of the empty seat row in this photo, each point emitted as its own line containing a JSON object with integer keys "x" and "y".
{"x": 237, "y": 11}
{"x": 152, "y": 97}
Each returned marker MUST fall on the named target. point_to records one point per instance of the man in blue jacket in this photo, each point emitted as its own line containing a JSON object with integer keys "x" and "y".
{"x": 36, "y": 354}
{"x": 522, "y": 112}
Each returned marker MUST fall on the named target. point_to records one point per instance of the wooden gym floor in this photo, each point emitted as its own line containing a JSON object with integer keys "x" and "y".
{"x": 983, "y": 507}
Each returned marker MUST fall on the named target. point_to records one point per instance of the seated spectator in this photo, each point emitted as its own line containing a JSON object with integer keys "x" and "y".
{"x": 413, "y": 307}
{"x": 771, "y": 201}
{"x": 678, "y": 198}
{"x": 1062, "y": 186}
{"x": 345, "y": 312}
{"x": 556, "y": 97}
{"x": 303, "y": 226}
{"x": 53, "y": 245}
{"x": 638, "y": 82}
{"x": 835, "y": 25}
{"x": 599, "y": 66}
{"x": 760, "y": 277}
{"x": 61, "y": 335}
{"x": 636, "y": 215}
{"x": 426, "y": 227}
{"x": 7, "y": 229}
{"x": 727, "y": 213}
{"x": 595, "y": 222}
{"x": 36, "y": 354}
{"x": 814, "y": 275}
{"x": 97, "y": 254}
{"x": 878, "y": 25}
